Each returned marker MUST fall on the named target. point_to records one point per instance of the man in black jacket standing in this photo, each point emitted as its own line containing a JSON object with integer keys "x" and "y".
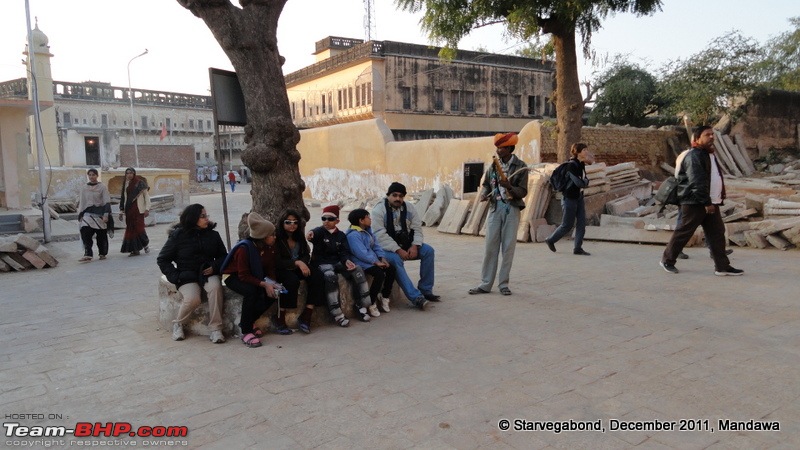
{"x": 701, "y": 191}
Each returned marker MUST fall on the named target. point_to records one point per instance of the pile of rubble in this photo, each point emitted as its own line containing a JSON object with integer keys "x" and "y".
{"x": 21, "y": 252}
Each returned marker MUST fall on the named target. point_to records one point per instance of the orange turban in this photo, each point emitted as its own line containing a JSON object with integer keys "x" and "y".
{"x": 505, "y": 139}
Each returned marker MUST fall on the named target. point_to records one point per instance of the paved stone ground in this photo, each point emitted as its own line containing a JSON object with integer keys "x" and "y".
{"x": 611, "y": 336}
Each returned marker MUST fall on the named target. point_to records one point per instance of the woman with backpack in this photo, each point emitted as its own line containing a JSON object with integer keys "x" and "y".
{"x": 573, "y": 209}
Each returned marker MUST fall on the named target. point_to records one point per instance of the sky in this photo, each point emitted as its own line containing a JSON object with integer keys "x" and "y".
{"x": 95, "y": 39}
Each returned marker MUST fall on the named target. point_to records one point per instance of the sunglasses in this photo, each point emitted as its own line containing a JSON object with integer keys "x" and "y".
{"x": 290, "y": 222}
{"x": 329, "y": 219}
{"x": 204, "y": 216}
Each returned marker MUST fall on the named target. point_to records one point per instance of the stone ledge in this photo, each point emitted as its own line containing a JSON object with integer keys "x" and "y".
{"x": 170, "y": 302}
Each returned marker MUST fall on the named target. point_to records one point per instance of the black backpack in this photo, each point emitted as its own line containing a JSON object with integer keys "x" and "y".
{"x": 559, "y": 179}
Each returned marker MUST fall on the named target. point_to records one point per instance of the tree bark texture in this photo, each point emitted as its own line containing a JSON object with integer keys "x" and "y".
{"x": 248, "y": 36}
{"x": 568, "y": 99}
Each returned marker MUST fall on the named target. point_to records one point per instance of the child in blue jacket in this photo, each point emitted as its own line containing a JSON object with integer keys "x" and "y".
{"x": 368, "y": 255}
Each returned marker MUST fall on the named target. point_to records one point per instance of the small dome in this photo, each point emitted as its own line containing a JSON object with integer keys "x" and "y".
{"x": 38, "y": 38}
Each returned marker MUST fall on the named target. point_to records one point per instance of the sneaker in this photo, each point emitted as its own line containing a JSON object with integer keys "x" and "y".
{"x": 682, "y": 255}
{"x": 581, "y": 251}
{"x": 342, "y": 321}
{"x": 729, "y": 272}
{"x": 668, "y": 267}
{"x": 373, "y": 311}
{"x": 217, "y": 337}
{"x": 85, "y": 259}
{"x": 363, "y": 314}
{"x": 147, "y": 249}
{"x": 177, "y": 332}
{"x": 102, "y": 256}
{"x": 420, "y": 303}
{"x": 383, "y": 303}
{"x": 550, "y": 245}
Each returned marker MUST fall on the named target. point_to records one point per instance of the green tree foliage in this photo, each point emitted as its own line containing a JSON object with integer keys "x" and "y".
{"x": 781, "y": 67}
{"x": 627, "y": 96}
{"x": 448, "y": 21}
{"x": 713, "y": 81}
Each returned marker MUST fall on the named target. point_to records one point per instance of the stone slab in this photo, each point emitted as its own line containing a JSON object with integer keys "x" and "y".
{"x": 34, "y": 259}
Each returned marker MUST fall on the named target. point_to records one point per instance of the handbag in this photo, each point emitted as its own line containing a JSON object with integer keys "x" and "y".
{"x": 667, "y": 193}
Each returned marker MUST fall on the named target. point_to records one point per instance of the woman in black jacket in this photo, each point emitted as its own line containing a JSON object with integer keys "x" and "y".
{"x": 573, "y": 209}
{"x": 191, "y": 260}
{"x": 294, "y": 265}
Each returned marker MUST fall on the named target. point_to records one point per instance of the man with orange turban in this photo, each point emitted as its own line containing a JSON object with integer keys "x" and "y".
{"x": 505, "y": 185}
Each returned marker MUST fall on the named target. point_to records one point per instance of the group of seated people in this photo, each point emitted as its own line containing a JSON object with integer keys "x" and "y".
{"x": 269, "y": 264}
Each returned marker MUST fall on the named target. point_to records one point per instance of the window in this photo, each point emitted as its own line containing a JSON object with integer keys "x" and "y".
{"x": 469, "y": 101}
{"x": 191, "y": 125}
{"x": 169, "y": 123}
{"x": 350, "y": 97}
{"x": 339, "y": 105}
{"x": 455, "y": 104}
{"x": 197, "y": 156}
{"x": 548, "y": 107}
{"x": 200, "y": 127}
{"x": 323, "y": 104}
{"x": 104, "y": 120}
{"x": 303, "y": 108}
{"x": 405, "y": 91}
{"x": 208, "y": 123}
{"x": 533, "y": 105}
{"x": 369, "y": 93}
{"x": 330, "y": 102}
{"x": 438, "y": 100}
{"x": 144, "y": 122}
{"x": 517, "y": 104}
{"x": 502, "y": 100}
{"x": 358, "y": 95}
{"x": 67, "y": 119}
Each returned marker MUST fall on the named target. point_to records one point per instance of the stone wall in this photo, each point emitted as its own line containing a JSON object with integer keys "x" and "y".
{"x": 771, "y": 120}
{"x": 612, "y": 144}
{"x": 361, "y": 159}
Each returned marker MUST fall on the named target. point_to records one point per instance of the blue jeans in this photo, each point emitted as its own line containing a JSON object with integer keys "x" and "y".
{"x": 573, "y": 211}
{"x": 426, "y": 273}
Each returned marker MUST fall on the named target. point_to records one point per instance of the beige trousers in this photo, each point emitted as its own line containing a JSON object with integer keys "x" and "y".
{"x": 191, "y": 300}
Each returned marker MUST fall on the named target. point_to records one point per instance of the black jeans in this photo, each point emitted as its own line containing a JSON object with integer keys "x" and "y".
{"x": 315, "y": 287}
{"x": 694, "y": 216}
{"x": 382, "y": 281}
{"x": 254, "y": 302}
{"x": 102, "y": 241}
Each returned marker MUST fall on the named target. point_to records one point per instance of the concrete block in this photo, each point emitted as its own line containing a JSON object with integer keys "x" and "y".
{"x": 27, "y": 242}
{"x": 620, "y": 206}
{"x": 34, "y": 259}
{"x": 45, "y": 255}
{"x": 11, "y": 262}
{"x": 4, "y": 267}
{"x": 8, "y": 247}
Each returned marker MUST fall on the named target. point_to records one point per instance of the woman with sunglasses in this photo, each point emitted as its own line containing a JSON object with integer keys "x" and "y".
{"x": 191, "y": 260}
{"x": 294, "y": 265}
{"x": 134, "y": 205}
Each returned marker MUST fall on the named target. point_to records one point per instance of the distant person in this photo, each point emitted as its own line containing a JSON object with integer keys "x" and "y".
{"x": 368, "y": 255}
{"x": 398, "y": 229}
{"x": 134, "y": 205}
{"x": 251, "y": 269}
{"x": 94, "y": 216}
{"x": 505, "y": 188}
{"x": 294, "y": 265}
{"x": 191, "y": 260}
{"x": 331, "y": 254}
{"x": 232, "y": 180}
{"x": 573, "y": 208}
{"x": 701, "y": 191}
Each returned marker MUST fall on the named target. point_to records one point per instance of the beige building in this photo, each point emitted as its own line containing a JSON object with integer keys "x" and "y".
{"x": 418, "y": 95}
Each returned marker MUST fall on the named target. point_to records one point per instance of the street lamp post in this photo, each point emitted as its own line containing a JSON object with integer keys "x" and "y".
{"x": 130, "y": 98}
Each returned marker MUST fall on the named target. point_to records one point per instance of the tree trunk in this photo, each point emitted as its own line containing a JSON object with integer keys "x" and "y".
{"x": 568, "y": 98}
{"x": 248, "y": 35}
